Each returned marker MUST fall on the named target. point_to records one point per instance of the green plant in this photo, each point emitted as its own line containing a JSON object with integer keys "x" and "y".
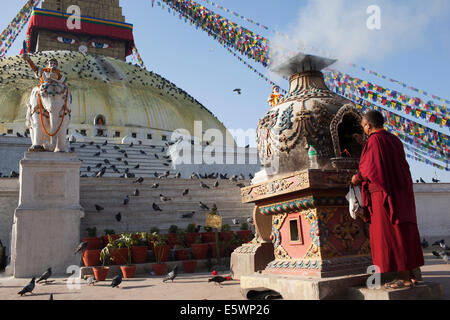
{"x": 191, "y": 228}
{"x": 140, "y": 239}
{"x": 127, "y": 240}
{"x": 180, "y": 239}
{"x": 173, "y": 229}
{"x": 207, "y": 229}
{"x": 244, "y": 226}
{"x": 154, "y": 230}
{"x": 159, "y": 240}
{"x": 91, "y": 232}
{"x": 235, "y": 240}
{"x": 104, "y": 255}
{"x": 197, "y": 240}
{"x": 226, "y": 228}
{"x": 109, "y": 232}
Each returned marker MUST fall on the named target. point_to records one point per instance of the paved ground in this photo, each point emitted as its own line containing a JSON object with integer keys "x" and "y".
{"x": 186, "y": 287}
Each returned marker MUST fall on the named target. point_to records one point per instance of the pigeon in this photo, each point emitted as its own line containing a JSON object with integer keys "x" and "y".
{"x": 142, "y": 152}
{"x": 156, "y": 207}
{"x": 88, "y": 168}
{"x": 136, "y": 193}
{"x": 100, "y": 173}
{"x": 90, "y": 280}
{"x": 185, "y": 192}
{"x": 204, "y": 186}
{"x": 83, "y": 145}
{"x": 214, "y": 207}
{"x": 172, "y": 274}
{"x": 436, "y": 254}
{"x": 97, "y": 154}
{"x": 99, "y": 208}
{"x": 105, "y": 143}
{"x": 118, "y": 217}
{"x": 163, "y": 198}
{"x": 116, "y": 281}
{"x": 235, "y": 221}
{"x": 126, "y": 200}
{"x": 216, "y": 184}
{"x": 240, "y": 185}
{"x": 19, "y": 135}
{"x": 45, "y": 275}
{"x": 237, "y": 90}
{"x": 203, "y": 206}
{"x": 118, "y": 159}
{"x": 435, "y": 180}
{"x": 219, "y": 279}
{"x": 178, "y": 175}
{"x": 116, "y": 147}
{"x": 188, "y": 215}
{"x": 136, "y": 166}
{"x": 424, "y": 243}
{"x": 438, "y": 242}
{"x": 107, "y": 161}
{"x": 443, "y": 246}
{"x": 156, "y": 156}
{"x": 81, "y": 247}
{"x": 28, "y": 288}
{"x": 421, "y": 180}
{"x": 139, "y": 180}
{"x": 250, "y": 220}
{"x": 250, "y": 176}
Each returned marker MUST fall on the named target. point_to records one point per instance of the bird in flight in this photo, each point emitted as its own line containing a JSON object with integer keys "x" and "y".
{"x": 237, "y": 90}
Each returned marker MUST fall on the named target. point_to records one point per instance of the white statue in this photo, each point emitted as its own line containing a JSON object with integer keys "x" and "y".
{"x": 48, "y": 113}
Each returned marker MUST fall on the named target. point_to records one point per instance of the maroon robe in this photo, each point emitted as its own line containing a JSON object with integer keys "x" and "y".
{"x": 388, "y": 196}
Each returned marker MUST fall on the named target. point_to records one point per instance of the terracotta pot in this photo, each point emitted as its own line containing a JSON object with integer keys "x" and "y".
{"x": 199, "y": 250}
{"x": 245, "y": 235}
{"x": 162, "y": 252}
{"x": 113, "y": 237}
{"x": 91, "y": 257}
{"x": 93, "y": 243}
{"x": 139, "y": 254}
{"x": 172, "y": 238}
{"x": 212, "y": 245}
{"x": 189, "y": 266}
{"x": 100, "y": 273}
{"x": 181, "y": 254}
{"x": 128, "y": 271}
{"x": 190, "y": 238}
{"x": 208, "y": 237}
{"x": 159, "y": 268}
{"x": 119, "y": 256}
{"x": 226, "y": 236}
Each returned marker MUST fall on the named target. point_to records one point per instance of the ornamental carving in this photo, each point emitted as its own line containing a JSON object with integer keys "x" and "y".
{"x": 346, "y": 231}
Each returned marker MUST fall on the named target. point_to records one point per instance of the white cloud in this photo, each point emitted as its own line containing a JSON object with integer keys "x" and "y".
{"x": 339, "y": 27}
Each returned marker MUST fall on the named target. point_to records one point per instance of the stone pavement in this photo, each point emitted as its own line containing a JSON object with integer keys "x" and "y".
{"x": 185, "y": 287}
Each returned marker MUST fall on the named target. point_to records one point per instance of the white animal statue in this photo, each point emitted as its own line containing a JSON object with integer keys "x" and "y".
{"x": 48, "y": 113}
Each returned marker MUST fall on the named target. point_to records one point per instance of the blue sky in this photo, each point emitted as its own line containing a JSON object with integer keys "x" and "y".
{"x": 413, "y": 46}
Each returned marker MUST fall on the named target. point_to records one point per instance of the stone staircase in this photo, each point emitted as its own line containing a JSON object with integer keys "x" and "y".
{"x": 138, "y": 215}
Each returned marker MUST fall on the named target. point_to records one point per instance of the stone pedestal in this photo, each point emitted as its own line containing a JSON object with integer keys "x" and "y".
{"x": 250, "y": 258}
{"x": 46, "y": 227}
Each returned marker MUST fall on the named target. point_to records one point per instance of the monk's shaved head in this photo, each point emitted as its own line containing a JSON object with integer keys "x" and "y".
{"x": 375, "y": 119}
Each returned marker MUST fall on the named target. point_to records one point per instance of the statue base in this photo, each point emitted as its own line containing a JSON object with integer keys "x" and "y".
{"x": 250, "y": 258}
{"x": 46, "y": 227}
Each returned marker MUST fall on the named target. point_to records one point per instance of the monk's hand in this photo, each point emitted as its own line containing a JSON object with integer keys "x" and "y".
{"x": 355, "y": 180}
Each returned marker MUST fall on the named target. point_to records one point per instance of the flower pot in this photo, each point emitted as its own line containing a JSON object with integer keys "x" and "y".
{"x": 159, "y": 268}
{"x": 181, "y": 254}
{"x": 244, "y": 235}
{"x": 100, "y": 273}
{"x": 93, "y": 243}
{"x": 172, "y": 238}
{"x": 139, "y": 254}
{"x": 189, "y": 266}
{"x": 208, "y": 237}
{"x": 162, "y": 253}
{"x": 113, "y": 237}
{"x": 128, "y": 271}
{"x": 199, "y": 250}
{"x": 91, "y": 257}
{"x": 119, "y": 255}
{"x": 226, "y": 235}
{"x": 190, "y": 238}
{"x": 212, "y": 246}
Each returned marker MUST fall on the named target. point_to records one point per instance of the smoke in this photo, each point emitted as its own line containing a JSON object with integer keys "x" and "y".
{"x": 340, "y": 29}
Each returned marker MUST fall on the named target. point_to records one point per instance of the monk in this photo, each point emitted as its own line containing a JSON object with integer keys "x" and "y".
{"x": 388, "y": 199}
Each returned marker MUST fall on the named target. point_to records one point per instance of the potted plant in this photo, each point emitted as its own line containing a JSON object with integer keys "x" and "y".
{"x": 208, "y": 235}
{"x": 100, "y": 273}
{"x": 153, "y": 233}
{"x": 128, "y": 269}
{"x": 91, "y": 257}
{"x": 139, "y": 247}
{"x": 109, "y": 233}
{"x": 190, "y": 264}
{"x": 161, "y": 252}
{"x": 172, "y": 236}
{"x": 199, "y": 250}
{"x": 93, "y": 241}
{"x": 226, "y": 233}
{"x": 244, "y": 233}
{"x": 180, "y": 247}
{"x": 117, "y": 251}
{"x": 191, "y": 234}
